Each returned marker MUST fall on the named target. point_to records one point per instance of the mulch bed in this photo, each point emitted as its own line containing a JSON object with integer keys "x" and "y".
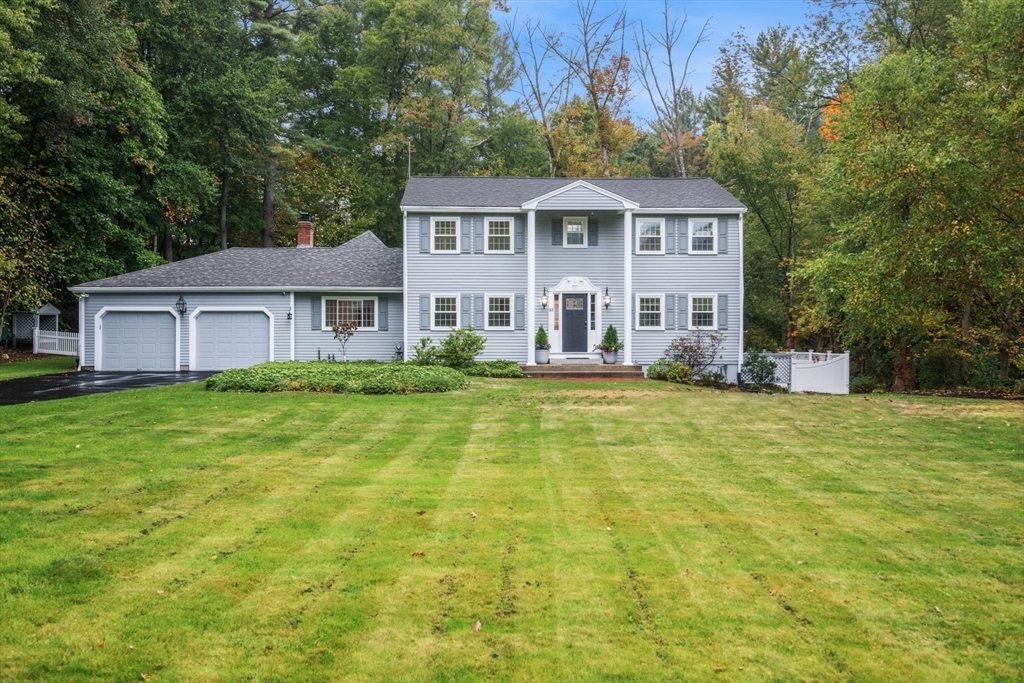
{"x": 19, "y": 356}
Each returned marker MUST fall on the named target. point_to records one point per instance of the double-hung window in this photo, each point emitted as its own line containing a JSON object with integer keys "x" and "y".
{"x": 650, "y": 236}
{"x": 362, "y": 312}
{"x": 444, "y": 235}
{"x": 499, "y": 312}
{"x": 703, "y": 312}
{"x": 703, "y": 236}
{"x": 444, "y": 311}
{"x": 499, "y": 236}
{"x": 574, "y": 232}
{"x": 650, "y": 311}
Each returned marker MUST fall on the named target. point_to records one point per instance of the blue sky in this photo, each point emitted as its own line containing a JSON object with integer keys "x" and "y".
{"x": 727, "y": 17}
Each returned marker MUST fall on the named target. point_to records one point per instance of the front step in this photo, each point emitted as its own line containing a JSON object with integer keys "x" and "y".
{"x": 581, "y": 371}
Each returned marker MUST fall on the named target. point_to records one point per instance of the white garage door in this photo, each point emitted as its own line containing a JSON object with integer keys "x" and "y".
{"x": 138, "y": 341}
{"x": 231, "y": 339}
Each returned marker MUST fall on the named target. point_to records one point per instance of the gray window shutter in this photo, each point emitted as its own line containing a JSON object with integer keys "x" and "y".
{"x": 382, "y": 313}
{"x": 723, "y": 236}
{"x": 467, "y": 237}
{"x": 467, "y": 310}
{"x": 670, "y": 235}
{"x": 520, "y": 309}
{"x": 592, "y": 232}
{"x": 478, "y": 311}
{"x": 315, "y": 321}
{"x": 723, "y": 311}
{"x": 670, "y": 311}
{"x": 520, "y": 235}
{"x": 684, "y": 237}
{"x": 636, "y": 307}
{"x": 633, "y": 234}
{"x": 424, "y": 235}
{"x": 683, "y": 301}
{"x": 424, "y": 311}
{"x": 478, "y": 239}
{"x": 556, "y": 232}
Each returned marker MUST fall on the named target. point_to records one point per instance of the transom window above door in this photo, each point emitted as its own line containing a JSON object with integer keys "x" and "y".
{"x": 703, "y": 236}
{"x": 499, "y": 236}
{"x": 444, "y": 235}
{"x": 574, "y": 230}
{"x": 650, "y": 236}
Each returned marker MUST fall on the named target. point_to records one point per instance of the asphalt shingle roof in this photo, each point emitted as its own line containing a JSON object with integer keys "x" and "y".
{"x": 363, "y": 261}
{"x": 653, "y": 193}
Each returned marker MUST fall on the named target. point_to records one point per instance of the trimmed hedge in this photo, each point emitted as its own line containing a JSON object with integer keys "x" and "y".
{"x": 355, "y": 377}
{"x": 494, "y": 368}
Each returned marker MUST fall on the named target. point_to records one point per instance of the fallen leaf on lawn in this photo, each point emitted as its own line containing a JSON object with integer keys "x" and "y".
{"x": 145, "y": 677}
{"x": 719, "y": 668}
{"x": 417, "y": 554}
{"x": 800, "y": 562}
{"x": 159, "y": 592}
{"x": 938, "y": 610}
{"x": 477, "y": 627}
{"x": 268, "y": 648}
{"x": 421, "y": 512}
{"x": 99, "y": 644}
{"x": 608, "y": 528}
{"x": 213, "y": 557}
{"x": 78, "y": 446}
{"x": 473, "y": 515}
{"x": 158, "y": 667}
{"x": 772, "y": 593}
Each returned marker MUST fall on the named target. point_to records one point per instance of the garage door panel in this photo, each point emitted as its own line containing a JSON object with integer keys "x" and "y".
{"x": 234, "y": 339}
{"x": 138, "y": 341}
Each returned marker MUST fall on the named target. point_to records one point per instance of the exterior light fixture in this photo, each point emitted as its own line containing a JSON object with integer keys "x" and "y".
{"x": 607, "y": 298}
{"x": 544, "y": 299}
{"x": 181, "y": 306}
{"x": 289, "y": 314}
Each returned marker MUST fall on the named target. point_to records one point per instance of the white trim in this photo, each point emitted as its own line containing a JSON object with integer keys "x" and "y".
{"x": 574, "y": 285}
{"x": 458, "y": 311}
{"x": 565, "y": 233}
{"x": 661, "y": 312}
{"x": 405, "y": 286}
{"x": 511, "y": 235}
{"x": 462, "y": 209}
{"x": 192, "y": 346}
{"x": 739, "y": 366}
{"x": 81, "y": 330}
{"x": 714, "y": 312}
{"x": 97, "y": 361}
{"x": 285, "y": 288}
{"x": 291, "y": 316}
{"x": 458, "y": 234}
{"x": 689, "y": 235}
{"x": 627, "y": 290}
{"x": 511, "y": 311}
{"x": 677, "y": 210}
{"x": 531, "y": 285}
{"x": 323, "y": 311}
{"x": 626, "y": 203}
{"x": 637, "y": 223}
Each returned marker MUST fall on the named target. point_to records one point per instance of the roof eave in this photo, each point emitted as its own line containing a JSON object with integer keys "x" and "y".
{"x": 86, "y": 289}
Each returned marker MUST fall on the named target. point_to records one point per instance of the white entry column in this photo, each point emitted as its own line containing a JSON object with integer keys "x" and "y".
{"x": 627, "y": 288}
{"x": 531, "y": 284}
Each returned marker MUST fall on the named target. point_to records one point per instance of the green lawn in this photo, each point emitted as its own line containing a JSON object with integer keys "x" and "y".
{"x": 627, "y": 531}
{"x": 30, "y": 368}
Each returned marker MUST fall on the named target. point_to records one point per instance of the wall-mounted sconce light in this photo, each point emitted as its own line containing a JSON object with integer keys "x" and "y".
{"x": 607, "y": 298}
{"x": 544, "y": 299}
{"x": 181, "y": 305}
{"x": 289, "y": 314}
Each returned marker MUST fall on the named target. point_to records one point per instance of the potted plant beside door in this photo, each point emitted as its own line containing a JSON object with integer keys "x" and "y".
{"x": 543, "y": 352}
{"x": 610, "y": 346}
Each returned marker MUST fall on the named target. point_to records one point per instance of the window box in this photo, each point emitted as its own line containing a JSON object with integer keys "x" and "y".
{"x": 703, "y": 236}
{"x": 444, "y": 235}
{"x": 360, "y": 310}
{"x": 650, "y": 235}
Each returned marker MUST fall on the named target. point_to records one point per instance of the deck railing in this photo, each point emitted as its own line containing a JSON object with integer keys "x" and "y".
{"x": 58, "y": 343}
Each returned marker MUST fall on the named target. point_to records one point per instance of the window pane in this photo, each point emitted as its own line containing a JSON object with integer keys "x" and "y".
{"x": 446, "y": 312}
{"x": 558, "y": 310}
{"x": 703, "y": 311}
{"x": 499, "y": 311}
{"x": 362, "y": 312}
{"x": 499, "y": 236}
{"x": 574, "y": 233}
{"x": 445, "y": 236}
{"x": 650, "y": 312}
{"x": 650, "y": 236}
{"x": 331, "y": 312}
{"x": 703, "y": 235}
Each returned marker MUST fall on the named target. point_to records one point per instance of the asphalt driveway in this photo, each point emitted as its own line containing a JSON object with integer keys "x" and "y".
{"x": 69, "y": 384}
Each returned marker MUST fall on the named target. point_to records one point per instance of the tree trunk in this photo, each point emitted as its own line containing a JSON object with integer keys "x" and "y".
{"x": 224, "y": 209}
{"x": 965, "y": 330}
{"x": 268, "y": 205}
{"x": 168, "y": 244}
{"x": 902, "y": 380}
{"x": 1004, "y": 351}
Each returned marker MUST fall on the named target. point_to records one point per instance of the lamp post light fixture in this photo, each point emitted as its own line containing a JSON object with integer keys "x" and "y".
{"x": 544, "y": 299}
{"x": 181, "y": 306}
{"x": 607, "y": 298}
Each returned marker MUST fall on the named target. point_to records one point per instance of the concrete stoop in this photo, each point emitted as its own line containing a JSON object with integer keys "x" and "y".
{"x": 583, "y": 371}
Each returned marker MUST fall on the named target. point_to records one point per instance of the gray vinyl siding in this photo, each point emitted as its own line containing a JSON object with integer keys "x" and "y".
{"x": 576, "y": 197}
{"x": 603, "y": 264}
{"x": 682, "y": 273}
{"x": 275, "y": 302}
{"x": 473, "y": 273}
{"x": 364, "y": 344}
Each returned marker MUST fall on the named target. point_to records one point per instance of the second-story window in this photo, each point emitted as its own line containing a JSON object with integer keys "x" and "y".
{"x": 444, "y": 235}
{"x": 574, "y": 230}
{"x": 650, "y": 236}
{"x": 499, "y": 236}
{"x": 703, "y": 236}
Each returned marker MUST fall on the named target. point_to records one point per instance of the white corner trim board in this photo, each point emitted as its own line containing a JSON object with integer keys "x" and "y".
{"x": 225, "y": 309}
{"x": 98, "y": 329}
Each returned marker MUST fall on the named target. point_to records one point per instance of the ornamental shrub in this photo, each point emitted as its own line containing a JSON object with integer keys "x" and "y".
{"x": 759, "y": 371}
{"x": 540, "y": 340}
{"x": 459, "y": 349}
{"x": 356, "y": 377}
{"x": 610, "y": 341}
{"x": 494, "y": 368}
{"x": 670, "y": 371}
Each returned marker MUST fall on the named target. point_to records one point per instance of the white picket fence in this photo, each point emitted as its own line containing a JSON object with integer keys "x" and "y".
{"x": 58, "y": 343}
{"x": 822, "y": 372}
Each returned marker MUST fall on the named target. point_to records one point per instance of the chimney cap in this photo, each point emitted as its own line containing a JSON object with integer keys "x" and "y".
{"x": 304, "y": 216}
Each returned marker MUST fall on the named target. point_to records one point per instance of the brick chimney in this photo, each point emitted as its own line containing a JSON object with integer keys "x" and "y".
{"x": 305, "y": 231}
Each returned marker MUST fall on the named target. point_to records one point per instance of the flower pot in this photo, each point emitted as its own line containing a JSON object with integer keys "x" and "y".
{"x": 610, "y": 357}
{"x": 543, "y": 356}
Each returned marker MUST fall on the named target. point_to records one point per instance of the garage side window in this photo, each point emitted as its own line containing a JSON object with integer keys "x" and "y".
{"x": 362, "y": 312}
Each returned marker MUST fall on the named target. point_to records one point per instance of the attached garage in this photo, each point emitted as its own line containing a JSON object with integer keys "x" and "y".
{"x": 231, "y": 339}
{"x": 137, "y": 340}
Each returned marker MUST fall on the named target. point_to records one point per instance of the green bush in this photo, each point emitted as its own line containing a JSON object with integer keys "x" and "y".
{"x": 425, "y": 353}
{"x": 759, "y": 370}
{"x": 610, "y": 341}
{"x": 540, "y": 340}
{"x": 356, "y": 377}
{"x": 494, "y": 368}
{"x": 458, "y": 350}
{"x": 670, "y": 371}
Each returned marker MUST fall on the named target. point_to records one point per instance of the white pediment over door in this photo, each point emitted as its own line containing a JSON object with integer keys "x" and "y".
{"x": 580, "y": 196}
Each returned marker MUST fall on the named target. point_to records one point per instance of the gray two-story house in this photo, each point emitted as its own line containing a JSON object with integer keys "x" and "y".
{"x": 656, "y": 258}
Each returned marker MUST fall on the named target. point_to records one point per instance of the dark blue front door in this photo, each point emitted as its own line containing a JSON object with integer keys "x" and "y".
{"x": 574, "y": 323}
